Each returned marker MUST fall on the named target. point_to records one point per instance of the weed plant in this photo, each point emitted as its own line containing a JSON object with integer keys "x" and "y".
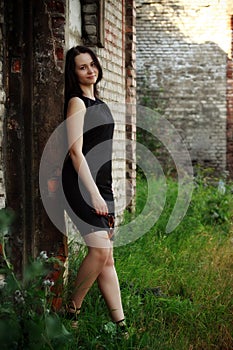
{"x": 26, "y": 318}
{"x": 176, "y": 288}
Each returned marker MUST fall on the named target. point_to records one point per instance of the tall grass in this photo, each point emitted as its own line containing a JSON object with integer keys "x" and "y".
{"x": 177, "y": 288}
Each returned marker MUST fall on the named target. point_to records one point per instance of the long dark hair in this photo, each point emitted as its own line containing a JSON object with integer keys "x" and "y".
{"x": 72, "y": 87}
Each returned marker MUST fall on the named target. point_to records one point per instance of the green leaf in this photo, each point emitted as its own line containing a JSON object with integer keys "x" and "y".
{"x": 6, "y": 218}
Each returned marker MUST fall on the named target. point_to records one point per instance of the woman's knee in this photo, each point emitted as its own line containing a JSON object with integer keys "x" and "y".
{"x": 98, "y": 239}
{"x": 101, "y": 255}
{"x": 110, "y": 261}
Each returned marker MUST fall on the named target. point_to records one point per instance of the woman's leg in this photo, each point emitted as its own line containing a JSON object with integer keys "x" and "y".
{"x": 109, "y": 287}
{"x": 99, "y": 265}
{"x": 99, "y": 249}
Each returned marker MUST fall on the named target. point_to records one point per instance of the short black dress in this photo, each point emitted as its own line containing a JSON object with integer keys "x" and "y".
{"x": 97, "y": 148}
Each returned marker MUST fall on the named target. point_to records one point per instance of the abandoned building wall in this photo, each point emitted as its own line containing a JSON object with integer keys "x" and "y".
{"x": 182, "y": 55}
{"x": 84, "y": 28}
{"x": 103, "y": 29}
{"x": 131, "y": 100}
{"x": 36, "y": 44}
{"x": 230, "y": 100}
{"x": 35, "y": 36}
{"x": 112, "y": 89}
{"x": 102, "y": 26}
{"x": 2, "y": 106}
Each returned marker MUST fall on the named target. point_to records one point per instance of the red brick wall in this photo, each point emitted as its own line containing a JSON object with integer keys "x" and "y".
{"x": 56, "y": 16}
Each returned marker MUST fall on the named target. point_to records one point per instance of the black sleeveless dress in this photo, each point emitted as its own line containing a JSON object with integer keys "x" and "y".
{"x": 97, "y": 148}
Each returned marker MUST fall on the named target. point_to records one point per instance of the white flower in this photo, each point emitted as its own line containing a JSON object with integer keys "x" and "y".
{"x": 48, "y": 283}
{"x": 2, "y": 281}
{"x": 19, "y": 297}
{"x": 43, "y": 255}
{"x": 221, "y": 187}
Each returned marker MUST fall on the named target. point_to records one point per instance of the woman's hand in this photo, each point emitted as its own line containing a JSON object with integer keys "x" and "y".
{"x": 99, "y": 205}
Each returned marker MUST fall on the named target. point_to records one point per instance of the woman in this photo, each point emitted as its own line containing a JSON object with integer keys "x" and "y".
{"x": 87, "y": 180}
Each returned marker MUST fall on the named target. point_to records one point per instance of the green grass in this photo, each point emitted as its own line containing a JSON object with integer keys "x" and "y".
{"x": 192, "y": 271}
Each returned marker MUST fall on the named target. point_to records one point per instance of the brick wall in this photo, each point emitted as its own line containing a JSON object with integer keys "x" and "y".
{"x": 2, "y": 108}
{"x": 107, "y": 39}
{"x": 230, "y": 105}
{"x": 47, "y": 28}
{"x": 56, "y": 11}
{"x": 130, "y": 65}
{"x": 181, "y": 69}
{"x": 101, "y": 26}
{"x": 112, "y": 89}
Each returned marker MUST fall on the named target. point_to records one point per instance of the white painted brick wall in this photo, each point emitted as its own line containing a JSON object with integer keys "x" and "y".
{"x": 112, "y": 90}
{"x": 112, "y": 87}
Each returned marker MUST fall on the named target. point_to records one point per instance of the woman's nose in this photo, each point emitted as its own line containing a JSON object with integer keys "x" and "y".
{"x": 90, "y": 69}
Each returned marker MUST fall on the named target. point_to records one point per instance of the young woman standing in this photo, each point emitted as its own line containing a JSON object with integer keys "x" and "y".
{"x": 87, "y": 179}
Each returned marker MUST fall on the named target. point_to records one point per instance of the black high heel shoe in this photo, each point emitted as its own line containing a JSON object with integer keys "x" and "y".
{"x": 72, "y": 312}
{"x": 122, "y": 329}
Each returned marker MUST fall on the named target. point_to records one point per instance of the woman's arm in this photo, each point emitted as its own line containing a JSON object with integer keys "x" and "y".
{"x": 75, "y": 121}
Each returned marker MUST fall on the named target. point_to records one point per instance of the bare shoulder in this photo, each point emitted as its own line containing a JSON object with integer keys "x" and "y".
{"x": 75, "y": 105}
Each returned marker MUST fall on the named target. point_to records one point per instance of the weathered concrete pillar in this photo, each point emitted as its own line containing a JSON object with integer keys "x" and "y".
{"x": 35, "y": 37}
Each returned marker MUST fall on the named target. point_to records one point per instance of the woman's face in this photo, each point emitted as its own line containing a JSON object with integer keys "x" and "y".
{"x": 86, "y": 69}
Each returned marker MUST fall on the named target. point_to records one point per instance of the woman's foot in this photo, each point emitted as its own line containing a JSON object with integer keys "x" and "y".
{"x": 72, "y": 312}
{"x": 122, "y": 329}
